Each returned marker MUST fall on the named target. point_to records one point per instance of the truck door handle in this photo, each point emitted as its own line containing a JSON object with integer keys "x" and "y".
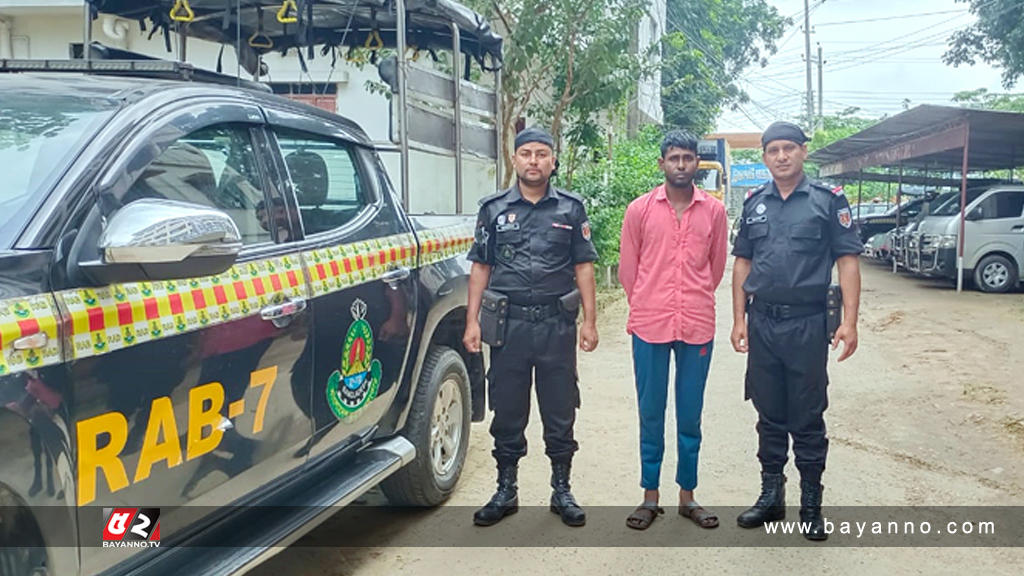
{"x": 1018, "y": 228}
{"x": 281, "y": 314}
{"x": 396, "y": 276}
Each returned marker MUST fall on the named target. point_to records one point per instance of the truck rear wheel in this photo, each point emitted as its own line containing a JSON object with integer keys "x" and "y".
{"x": 438, "y": 426}
{"x": 995, "y": 273}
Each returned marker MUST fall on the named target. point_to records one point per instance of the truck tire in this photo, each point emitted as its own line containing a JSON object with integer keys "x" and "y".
{"x": 438, "y": 426}
{"x": 23, "y": 551}
{"x": 995, "y": 273}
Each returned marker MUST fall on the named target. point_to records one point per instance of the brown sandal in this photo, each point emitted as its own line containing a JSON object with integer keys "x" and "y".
{"x": 699, "y": 515}
{"x": 643, "y": 516}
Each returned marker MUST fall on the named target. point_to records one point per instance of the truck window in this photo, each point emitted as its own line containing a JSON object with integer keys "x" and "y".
{"x": 326, "y": 179}
{"x": 1002, "y": 205}
{"x": 214, "y": 167}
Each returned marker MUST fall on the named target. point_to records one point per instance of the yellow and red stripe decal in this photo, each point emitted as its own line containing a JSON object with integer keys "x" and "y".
{"x": 98, "y": 321}
{"x": 339, "y": 267}
{"x": 443, "y": 243}
{"x": 105, "y": 319}
{"x": 21, "y": 317}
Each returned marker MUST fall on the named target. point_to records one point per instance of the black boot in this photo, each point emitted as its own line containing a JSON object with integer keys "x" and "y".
{"x": 810, "y": 510}
{"x": 562, "y": 501}
{"x": 770, "y": 506}
{"x": 505, "y": 501}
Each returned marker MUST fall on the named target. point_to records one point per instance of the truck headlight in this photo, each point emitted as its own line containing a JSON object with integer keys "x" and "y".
{"x": 946, "y": 241}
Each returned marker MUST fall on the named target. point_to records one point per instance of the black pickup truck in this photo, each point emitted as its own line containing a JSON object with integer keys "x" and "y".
{"x": 217, "y": 322}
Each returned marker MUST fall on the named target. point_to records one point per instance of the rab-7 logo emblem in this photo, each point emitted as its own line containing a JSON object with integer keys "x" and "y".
{"x": 131, "y": 527}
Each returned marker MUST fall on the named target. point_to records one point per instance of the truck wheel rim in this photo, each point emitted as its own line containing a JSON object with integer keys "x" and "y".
{"x": 996, "y": 275}
{"x": 446, "y": 428}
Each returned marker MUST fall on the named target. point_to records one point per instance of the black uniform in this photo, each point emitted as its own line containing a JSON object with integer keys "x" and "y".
{"x": 792, "y": 246}
{"x": 532, "y": 250}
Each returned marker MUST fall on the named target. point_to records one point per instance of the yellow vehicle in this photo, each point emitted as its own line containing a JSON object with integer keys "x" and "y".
{"x": 711, "y": 178}
{"x": 713, "y": 170}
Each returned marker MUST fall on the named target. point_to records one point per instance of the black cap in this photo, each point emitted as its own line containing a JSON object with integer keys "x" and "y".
{"x": 783, "y": 131}
{"x": 534, "y": 134}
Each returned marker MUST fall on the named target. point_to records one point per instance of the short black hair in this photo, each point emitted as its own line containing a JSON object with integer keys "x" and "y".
{"x": 678, "y": 139}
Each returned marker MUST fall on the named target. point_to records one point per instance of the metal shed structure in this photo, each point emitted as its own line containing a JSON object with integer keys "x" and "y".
{"x": 927, "y": 138}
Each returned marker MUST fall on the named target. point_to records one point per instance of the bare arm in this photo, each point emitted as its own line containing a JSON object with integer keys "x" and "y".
{"x": 849, "y": 282}
{"x": 588, "y": 294}
{"x": 479, "y": 276}
{"x": 740, "y": 271}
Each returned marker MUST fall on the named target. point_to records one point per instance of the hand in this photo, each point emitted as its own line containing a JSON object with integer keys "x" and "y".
{"x": 588, "y": 337}
{"x": 847, "y": 334}
{"x": 471, "y": 339}
{"x": 740, "y": 343}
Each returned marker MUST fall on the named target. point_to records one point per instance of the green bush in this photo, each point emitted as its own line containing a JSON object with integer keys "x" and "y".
{"x": 609, "y": 186}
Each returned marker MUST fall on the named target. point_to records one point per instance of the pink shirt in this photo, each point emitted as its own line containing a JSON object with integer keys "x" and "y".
{"x": 670, "y": 267}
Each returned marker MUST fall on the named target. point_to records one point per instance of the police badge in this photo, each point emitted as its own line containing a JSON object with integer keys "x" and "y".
{"x": 845, "y": 219}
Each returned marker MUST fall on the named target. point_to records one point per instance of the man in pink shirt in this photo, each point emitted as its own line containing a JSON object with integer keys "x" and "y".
{"x": 674, "y": 249}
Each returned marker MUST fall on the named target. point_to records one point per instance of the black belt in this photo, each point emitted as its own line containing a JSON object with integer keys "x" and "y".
{"x": 534, "y": 313}
{"x": 786, "y": 311}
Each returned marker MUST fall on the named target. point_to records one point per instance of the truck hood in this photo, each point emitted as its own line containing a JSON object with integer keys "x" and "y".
{"x": 939, "y": 225}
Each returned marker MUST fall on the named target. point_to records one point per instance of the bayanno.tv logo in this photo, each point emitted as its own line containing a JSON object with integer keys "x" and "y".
{"x": 131, "y": 527}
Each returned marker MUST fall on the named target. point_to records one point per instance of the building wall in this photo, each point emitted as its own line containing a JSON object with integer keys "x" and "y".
{"x": 649, "y": 33}
{"x": 43, "y": 29}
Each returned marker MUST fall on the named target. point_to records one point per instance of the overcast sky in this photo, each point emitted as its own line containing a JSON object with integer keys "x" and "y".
{"x": 877, "y": 52}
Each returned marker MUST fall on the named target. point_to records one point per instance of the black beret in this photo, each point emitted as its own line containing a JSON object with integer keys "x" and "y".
{"x": 783, "y": 131}
{"x": 534, "y": 134}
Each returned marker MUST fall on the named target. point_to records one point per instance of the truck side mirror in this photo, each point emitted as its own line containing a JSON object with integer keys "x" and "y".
{"x": 977, "y": 214}
{"x": 153, "y": 239}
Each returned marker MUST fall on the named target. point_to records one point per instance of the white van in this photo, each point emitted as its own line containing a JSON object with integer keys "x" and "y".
{"x": 993, "y": 240}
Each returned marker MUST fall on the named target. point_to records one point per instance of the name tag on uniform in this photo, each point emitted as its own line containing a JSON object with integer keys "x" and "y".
{"x": 756, "y": 219}
{"x": 562, "y": 226}
{"x": 507, "y": 226}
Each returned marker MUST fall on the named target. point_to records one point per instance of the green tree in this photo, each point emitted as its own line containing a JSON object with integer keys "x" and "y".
{"x": 840, "y": 125}
{"x": 608, "y": 187}
{"x": 996, "y": 38}
{"x": 566, "y": 62}
{"x": 985, "y": 100}
{"x": 710, "y": 43}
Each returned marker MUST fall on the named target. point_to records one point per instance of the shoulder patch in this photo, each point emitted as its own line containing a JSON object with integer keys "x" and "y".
{"x": 836, "y": 190}
{"x": 755, "y": 191}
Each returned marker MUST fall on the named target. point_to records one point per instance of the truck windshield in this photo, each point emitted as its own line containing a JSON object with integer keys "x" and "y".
{"x": 40, "y": 134}
{"x": 952, "y": 206}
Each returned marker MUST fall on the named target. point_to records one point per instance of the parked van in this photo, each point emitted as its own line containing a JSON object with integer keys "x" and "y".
{"x": 993, "y": 240}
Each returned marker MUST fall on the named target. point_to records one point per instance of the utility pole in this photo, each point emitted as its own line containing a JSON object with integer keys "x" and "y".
{"x": 821, "y": 92}
{"x": 807, "y": 58}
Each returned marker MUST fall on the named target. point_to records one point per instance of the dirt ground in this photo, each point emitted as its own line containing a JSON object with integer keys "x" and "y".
{"x": 929, "y": 412}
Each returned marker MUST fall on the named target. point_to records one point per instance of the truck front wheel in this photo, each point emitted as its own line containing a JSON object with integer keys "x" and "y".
{"x": 995, "y": 274}
{"x": 438, "y": 426}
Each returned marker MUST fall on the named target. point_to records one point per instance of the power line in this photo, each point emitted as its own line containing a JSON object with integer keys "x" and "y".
{"x": 887, "y": 18}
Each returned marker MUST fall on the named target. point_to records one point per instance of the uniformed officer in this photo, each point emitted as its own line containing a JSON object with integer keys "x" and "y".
{"x": 792, "y": 232}
{"x": 533, "y": 245}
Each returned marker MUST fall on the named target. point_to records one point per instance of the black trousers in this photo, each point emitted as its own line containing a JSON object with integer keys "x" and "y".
{"x": 787, "y": 380}
{"x": 543, "y": 352}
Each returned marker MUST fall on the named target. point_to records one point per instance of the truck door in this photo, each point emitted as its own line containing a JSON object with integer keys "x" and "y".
{"x": 360, "y": 256}
{"x": 188, "y": 391}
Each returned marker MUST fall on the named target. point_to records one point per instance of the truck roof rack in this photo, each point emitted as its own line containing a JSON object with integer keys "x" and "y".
{"x": 112, "y": 62}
